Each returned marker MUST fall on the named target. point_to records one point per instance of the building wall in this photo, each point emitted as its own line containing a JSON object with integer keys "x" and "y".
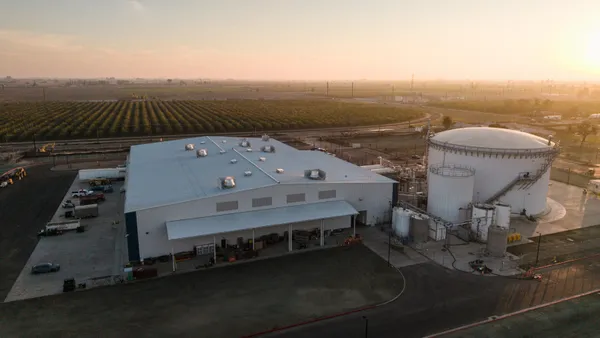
{"x": 374, "y": 198}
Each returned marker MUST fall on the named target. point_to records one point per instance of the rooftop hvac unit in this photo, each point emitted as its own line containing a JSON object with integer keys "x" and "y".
{"x": 268, "y": 149}
{"x": 222, "y": 151}
{"x": 262, "y": 159}
{"x": 249, "y": 150}
{"x": 224, "y": 141}
{"x": 202, "y": 142}
{"x": 247, "y": 173}
{"x": 245, "y": 143}
{"x": 279, "y": 171}
{"x": 201, "y": 153}
{"x": 189, "y": 147}
{"x": 315, "y": 174}
{"x": 265, "y": 137}
{"x": 233, "y": 161}
{"x": 227, "y": 182}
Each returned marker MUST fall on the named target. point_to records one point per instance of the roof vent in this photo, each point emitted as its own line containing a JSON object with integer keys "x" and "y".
{"x": 249, "y": 150}
{"x": 262, "y": 159}
{"x": 233, "y": 161}
{"x": 265, "y": 137}
{"x": 315, "y": 174}
{"x": 224, "y": 141}
{"x": 268, "y": 149}
{"x": 247, "y": 173}
{"x": 245, "y": 143}
{"x": 202, "y": 142}
{"x": 201, "y": 153}
{"x": 222, "y": 151}
{"x": 189, "y": 147}
{"x": 279, "y": 171}
{"x": 227, "y": 182}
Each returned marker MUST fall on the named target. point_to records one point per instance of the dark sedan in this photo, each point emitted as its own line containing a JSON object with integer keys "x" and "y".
{"x": 45, "y": 268}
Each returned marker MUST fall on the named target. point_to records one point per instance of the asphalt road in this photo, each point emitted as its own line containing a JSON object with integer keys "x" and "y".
{"x": 437, "y": 299}
{"x": 25, "y": 207}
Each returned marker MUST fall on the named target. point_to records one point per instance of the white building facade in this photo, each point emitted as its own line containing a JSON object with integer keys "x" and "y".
{"x": 276, "y": 197}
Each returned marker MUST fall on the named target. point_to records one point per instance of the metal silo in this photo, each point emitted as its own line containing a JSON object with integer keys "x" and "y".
{"x": 497, "y": 241}
{"x": 481, "y": 220}
{"x": 449, "y": 191}
{"x": 511, "y": 167}
{"x": 419, "y": 228}
{"x": 502, "y": 218}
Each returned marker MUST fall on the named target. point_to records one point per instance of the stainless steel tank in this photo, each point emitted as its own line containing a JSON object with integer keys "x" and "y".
{"x": 497, "y": 241}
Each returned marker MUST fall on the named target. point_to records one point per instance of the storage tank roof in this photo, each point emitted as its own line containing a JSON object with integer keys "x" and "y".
{"x": 496, "y": 138}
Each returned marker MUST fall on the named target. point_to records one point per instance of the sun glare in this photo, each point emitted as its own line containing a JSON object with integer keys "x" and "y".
{"x": 592, "y": 53}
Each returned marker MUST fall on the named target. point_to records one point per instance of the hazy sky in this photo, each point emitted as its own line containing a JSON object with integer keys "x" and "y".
{"x": 302, "y": 39}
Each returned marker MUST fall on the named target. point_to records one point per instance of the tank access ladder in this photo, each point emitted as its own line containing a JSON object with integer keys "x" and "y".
{"x": 526, "y": 182}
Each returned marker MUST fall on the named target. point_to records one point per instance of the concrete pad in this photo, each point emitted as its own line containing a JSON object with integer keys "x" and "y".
{"x": 377, "y": 241}
{"x": 97, "y": 252}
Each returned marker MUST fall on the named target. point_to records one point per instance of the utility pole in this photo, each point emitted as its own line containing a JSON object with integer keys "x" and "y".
{"x": 352, "y": 90}
{"x": 390, "y": 245}
{"x": 537, "y": 255}
{"x": 366, "y": 326}
{"x": 327, "y": 89}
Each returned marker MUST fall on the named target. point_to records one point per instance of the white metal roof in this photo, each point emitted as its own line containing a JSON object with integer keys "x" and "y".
{"x": 211, "y": 225}
{"x": 165, "y": 173}
{"x": 497, "y": 138}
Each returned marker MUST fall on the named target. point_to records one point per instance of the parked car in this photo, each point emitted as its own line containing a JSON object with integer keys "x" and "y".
{"x": 45, "y": 268}
{"x": 81, "y": 193}
{"x": 68, "y": 204}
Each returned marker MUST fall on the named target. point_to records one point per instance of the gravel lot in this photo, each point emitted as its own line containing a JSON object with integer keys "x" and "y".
{"x": 221, "y": 302}
{"x": 25, "y": 207}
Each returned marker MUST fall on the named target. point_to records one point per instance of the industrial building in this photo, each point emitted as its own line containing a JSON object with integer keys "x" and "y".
{"x": 481, "y": 175}
{"x": 192, "y": 194}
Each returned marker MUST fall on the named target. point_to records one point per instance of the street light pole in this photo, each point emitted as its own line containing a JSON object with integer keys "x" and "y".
{"x": 366, "y": 326}
{"x": 537, "y": 255}
{"x": 389, "y": 245}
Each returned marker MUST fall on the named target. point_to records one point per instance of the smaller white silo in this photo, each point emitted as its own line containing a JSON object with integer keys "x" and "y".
{"x": 401, "y": 222}
{"x": 482, "y": 218}
{"x": 419, "y": 228}
{"x": 502, "y": 218}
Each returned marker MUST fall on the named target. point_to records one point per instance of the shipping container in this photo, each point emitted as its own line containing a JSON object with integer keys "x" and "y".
{"x": 112, "y": 173}
{"x": 86, "y": 211}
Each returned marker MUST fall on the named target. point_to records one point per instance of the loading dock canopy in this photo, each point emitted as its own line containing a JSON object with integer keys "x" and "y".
{"x": 238, "y": 221}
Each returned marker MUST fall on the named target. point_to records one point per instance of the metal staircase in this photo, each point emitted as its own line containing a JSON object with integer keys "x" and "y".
{"x": 525, "y": 182}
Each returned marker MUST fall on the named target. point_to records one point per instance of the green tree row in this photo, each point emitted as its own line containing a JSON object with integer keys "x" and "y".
{"x": 66, "y": 120}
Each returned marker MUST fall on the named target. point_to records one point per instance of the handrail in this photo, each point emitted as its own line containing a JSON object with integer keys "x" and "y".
{"x": 554, "y": 148}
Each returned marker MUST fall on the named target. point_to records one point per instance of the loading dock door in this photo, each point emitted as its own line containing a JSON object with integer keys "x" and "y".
{"x": 362, "y": 218}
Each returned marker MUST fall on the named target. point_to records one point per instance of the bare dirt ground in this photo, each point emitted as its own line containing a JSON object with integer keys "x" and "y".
{"x": 25, "y": 207}
{"x": 221, "y": 302}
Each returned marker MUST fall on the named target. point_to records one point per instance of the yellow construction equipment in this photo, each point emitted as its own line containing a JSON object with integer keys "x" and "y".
{"x": 46, "y": 147}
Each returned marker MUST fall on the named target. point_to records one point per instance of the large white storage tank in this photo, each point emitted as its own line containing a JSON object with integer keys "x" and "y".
{"x": 481, "y": 220}
{"x": 449, "y": 191}
{"x": 511, "y": 167}
{"x": 502, "y": 218}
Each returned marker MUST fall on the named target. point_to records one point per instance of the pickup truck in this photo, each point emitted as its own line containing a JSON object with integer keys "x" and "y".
{"x": 81, "y": 193}
{"x": 103, "y": 188}
{"x": 91, "y": 199}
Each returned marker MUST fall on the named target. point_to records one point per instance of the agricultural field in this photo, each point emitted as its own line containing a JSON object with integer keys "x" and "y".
{"x": 526, "y": 107}
{"x": 68, "y": 120}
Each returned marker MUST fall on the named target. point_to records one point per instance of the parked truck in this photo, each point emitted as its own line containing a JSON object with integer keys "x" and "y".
{"x": 102, "y": 188}
{"x": 94, "y": 198}
{"x": 57, "y": 228}
{"x": 114, "y": 174}
{"x": 86, "y": 211}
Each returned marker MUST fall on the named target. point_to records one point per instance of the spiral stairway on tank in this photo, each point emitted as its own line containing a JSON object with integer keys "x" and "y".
{"x": 525, "y": 182}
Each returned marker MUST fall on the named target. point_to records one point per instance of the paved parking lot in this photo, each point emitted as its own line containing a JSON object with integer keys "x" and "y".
{"x": 223, "y": 302}
{"x": 97, "y": 252}
{"x": 24, "y": 208}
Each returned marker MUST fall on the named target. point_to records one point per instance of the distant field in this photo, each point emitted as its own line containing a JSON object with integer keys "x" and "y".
{"x": 65, "y": 120}
{"x": 526, "y": 107}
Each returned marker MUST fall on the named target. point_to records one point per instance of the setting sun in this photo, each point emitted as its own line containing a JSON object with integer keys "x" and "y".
{"x": 592, "y": 53}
